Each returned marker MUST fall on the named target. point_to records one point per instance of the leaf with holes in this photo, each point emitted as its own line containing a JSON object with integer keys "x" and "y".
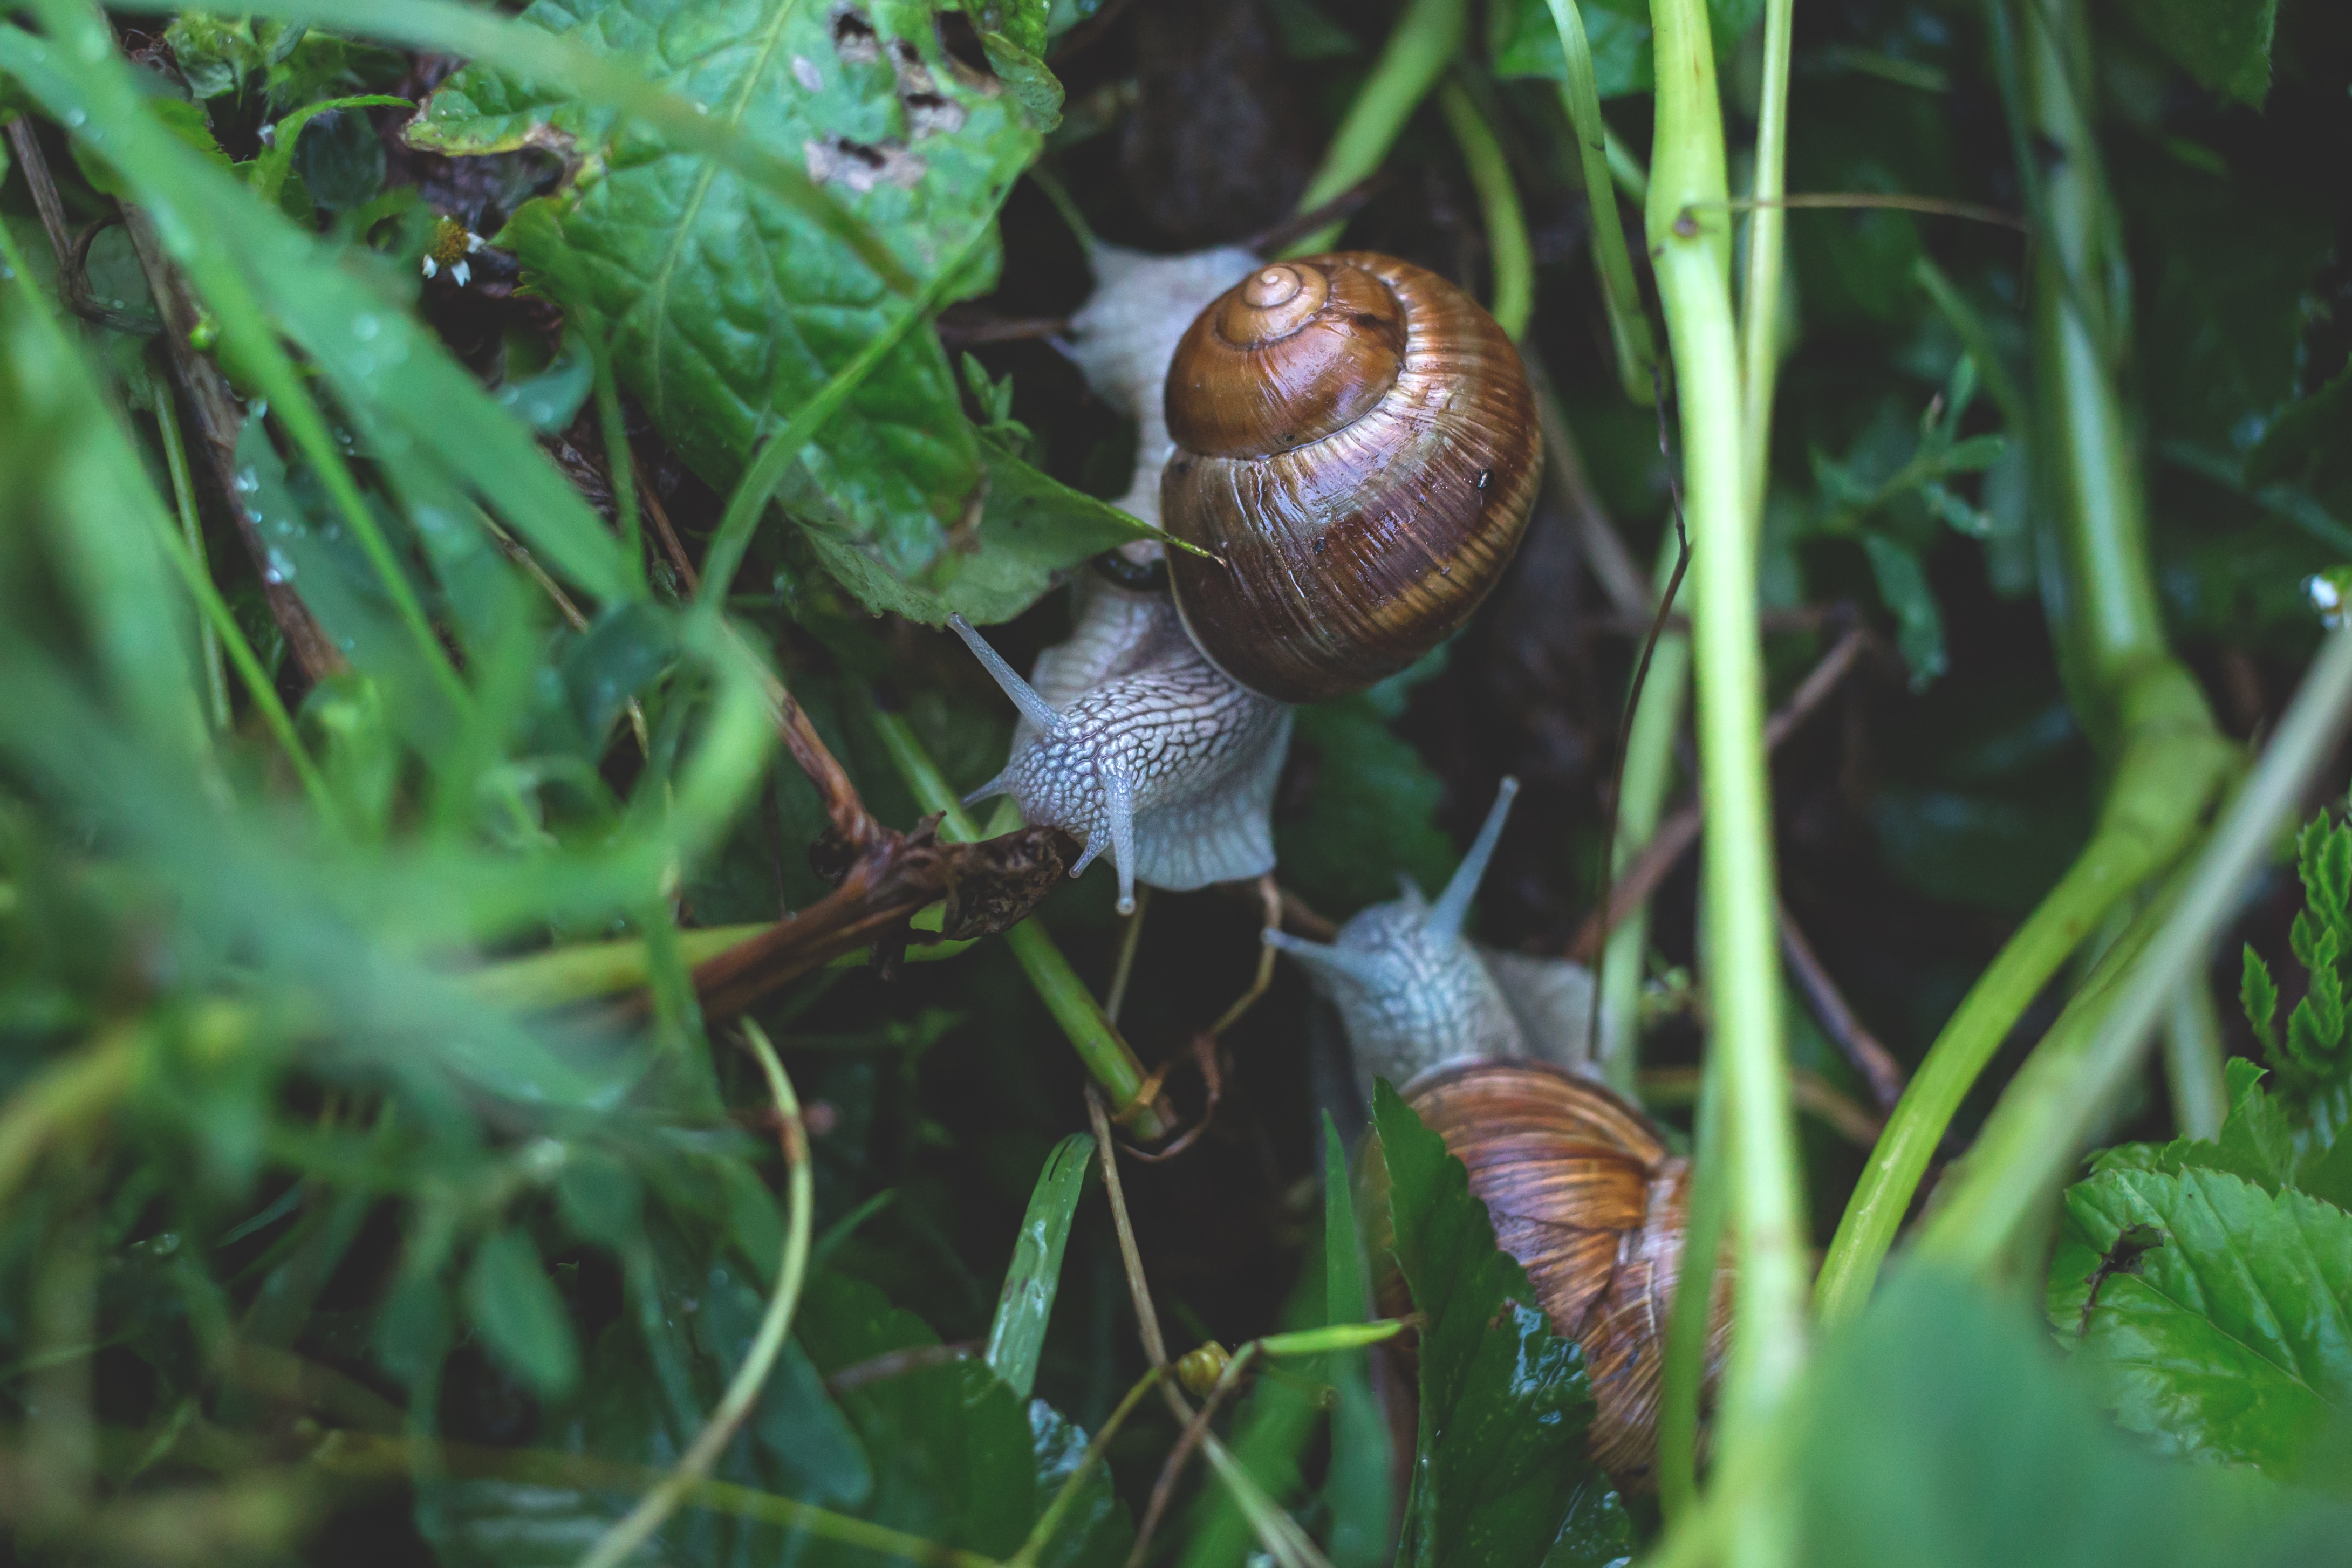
{"x": 731, "y": 308}
{"x": 2231, "y": 1337}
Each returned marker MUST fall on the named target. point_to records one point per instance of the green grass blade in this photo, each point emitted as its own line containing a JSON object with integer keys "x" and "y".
{"x": 1017, "y": 1336}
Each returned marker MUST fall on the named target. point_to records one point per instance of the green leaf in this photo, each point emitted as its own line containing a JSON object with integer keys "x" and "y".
{"x": 2255, "y": 1141}
{"x": 1938, "y": 1431}
{"x": 2232, "y": 1339}
{"x": 2224, "y": 44}
{"x": 731, "y": 308}
{"x": 1522, "y": 41}
{"x": 1918, "y": 621}
{"x": 1502, "y": 1473}
{"x": 1026, "y": 1305}
{"x": 2258, "y": 994}
{"x": 522, "y": 1319}
{"x": 1098, "y": 1531}
{"x": 1370, "y": 811}
{"x": 1032, "y": 531}
{"x": 952, "y": 1449}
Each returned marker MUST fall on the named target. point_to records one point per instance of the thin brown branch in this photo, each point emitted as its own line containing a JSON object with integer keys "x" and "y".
{"x": 1164, "y": 1487}
{"x": 650, "y": 504}
{"x": 1567, "y": 489}
{"x": 965, "y": 326}
{"x": 988, "y": 886}
{"x": 1873, "y": 1061}
{"x": 1815, "y": 1094}
{"x": 1679, "y": 832}
{"x": 898, "y": 1362}
{"x": 219, "y": 420}
{"x": 1138, "y": 1289}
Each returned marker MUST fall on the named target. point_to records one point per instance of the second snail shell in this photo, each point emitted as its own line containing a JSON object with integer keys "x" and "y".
{"x": 1356, "y": 444}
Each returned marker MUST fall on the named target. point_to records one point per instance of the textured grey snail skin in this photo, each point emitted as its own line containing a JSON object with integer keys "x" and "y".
{"x": 1150, "y": 755}
{"x": 1126, "y": 333}
{"x": 1415, "y": 995}
{"x": 1130, "y": 739}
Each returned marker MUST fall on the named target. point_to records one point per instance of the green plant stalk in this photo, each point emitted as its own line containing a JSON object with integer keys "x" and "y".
{"x": 620, "y": 1542}
{"x": 1625, "y": 167}
{"x": 587, "y": 970}
{"x": 1428, "y": 35}
{"x": 183, "y": 500}
{"x": 2193, "y": 1055}
{"x": 780, "y": 451}
{"x": 1992, "y": 370}
{"x": 2152, "y": 813}
{"x": 1629, "y": 324}
{"x": 619, "y": 460}
{"x": 370, "y": 1455}
{"x": 1768, "y": 225}
{"x": 2030, "y": 1143}
{"x": 1498, "y": 203}
{"x": 2089, "y": 471}
{"x": 2145, "y": 710}
{"x": 1689, "y": 228}
{"x": 1096, "y": 1040}
{"x": 1041, "y": 1535}
{"x": 1642, "y": 783}
{"x": 1684, "y": 1360}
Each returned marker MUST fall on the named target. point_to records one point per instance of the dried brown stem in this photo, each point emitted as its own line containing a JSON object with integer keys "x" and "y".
{"x": 1679, "y": 832}
{"x": 1147, "y": 1318}
{"x": 1815, "y": 1094}
{"x": 1567, "y": 489}
{"x": 219, "y": 420}
{"x": 898, "y": 1362}
{"x": 1873, "y": 1061}
{"x": 650, "y": 504}
{"x": 1164, "y": 1489}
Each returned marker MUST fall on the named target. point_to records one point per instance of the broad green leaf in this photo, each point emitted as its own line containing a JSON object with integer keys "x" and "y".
{"x": 1502, "y": 1476}
{"x": 730, "y": 308}
{"x": 1098, "y": 1531}
{"x": 2224, "y": 44}
{"x": 1938, "y": 1431}
{"x": 1032, "y": 531}
{"x": 522, "y": 1319}
{"x": 2231, "y": 1337}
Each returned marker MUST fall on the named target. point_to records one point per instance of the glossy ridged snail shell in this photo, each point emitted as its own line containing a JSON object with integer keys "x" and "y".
{"x": 1357, "y": 444}
{"x": 1490, "y": 1050}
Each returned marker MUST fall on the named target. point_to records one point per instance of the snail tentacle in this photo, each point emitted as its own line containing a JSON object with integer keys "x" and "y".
{"x": 1454, "y": 904}
{"x": 1033, "y": 709}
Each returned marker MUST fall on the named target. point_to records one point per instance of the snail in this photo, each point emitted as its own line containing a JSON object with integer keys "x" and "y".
{"x": 1489, "y": 1049}
{"x": 1352, "y": 442}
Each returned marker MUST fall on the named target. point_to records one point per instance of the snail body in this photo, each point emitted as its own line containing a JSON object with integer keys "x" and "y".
{"x": 1490, "y": 1051}
{"x": 1353, "y": 439}
{"x": 1141, "y": 750}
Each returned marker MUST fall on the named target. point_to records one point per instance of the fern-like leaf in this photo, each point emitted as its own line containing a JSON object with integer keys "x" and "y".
{"x": 2258, "y": 994}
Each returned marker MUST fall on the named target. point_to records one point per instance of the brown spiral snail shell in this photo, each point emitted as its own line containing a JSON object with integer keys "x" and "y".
{"x": 1354, "y": 437}
{"x": 1357, "y": 444}
{"x": 1489, "y": 1049}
